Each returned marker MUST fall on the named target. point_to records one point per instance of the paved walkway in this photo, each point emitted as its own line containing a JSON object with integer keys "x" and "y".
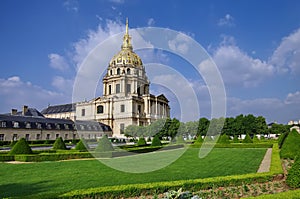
{"x": 266, "y": 162}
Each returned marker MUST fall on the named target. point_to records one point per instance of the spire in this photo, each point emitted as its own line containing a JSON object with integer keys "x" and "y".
{"x": 126, "y": 39}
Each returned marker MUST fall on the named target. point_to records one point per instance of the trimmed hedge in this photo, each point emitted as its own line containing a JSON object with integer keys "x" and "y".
{"x": 52, "y": 157}
{"x": 59, "y": 144}
{"x": 293, "y": 177}
{"x": 142, "y": 142}
{"x": 247, "y": 139}
{"x": 6, "y": 158}
{"x": 294, "y": 194}
{"x": 237, "y": 145}
{"x": 81, "y": 145}
{"x": 235, "y": 139}
{"x": 191, "y": 185}
{"x": 281, "y": 139}
{"x": 291, "y": 147}
{"x": 156, "y": 141}
{"x": 104, "y": 145}
{"x": 21, "y": 147}
{"x": 224, "y": 139}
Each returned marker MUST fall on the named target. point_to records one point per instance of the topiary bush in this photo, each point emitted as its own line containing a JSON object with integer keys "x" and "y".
{"x": 141, "y": 142}
{"x": 21, "y": 147}
{"x": 224, "y": 139}
{"x": 281, "y": 139}
{"x": 255, "y": 139}
{"x": 236, "y": 139}
{"x": 104, "y": 145}
{"x": 81, "y": 145}
{"x": 247, "y": 139}
{"x": 199, "y": 139}
{"x": 291, "y": 147}
{"x": 156, "y": 141}
{"x": 59, "y": 144}
{"x": 293, "y": 177}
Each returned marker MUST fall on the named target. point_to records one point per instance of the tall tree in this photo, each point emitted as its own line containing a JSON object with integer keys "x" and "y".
{"x": 203, "y": 126}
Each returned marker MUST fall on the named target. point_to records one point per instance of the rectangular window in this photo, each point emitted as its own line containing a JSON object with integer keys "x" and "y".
{"x": 3, "y": 124}
{"x": 38, "y": 125}
{"x": 118, "y": 88}
{"x": 122, "y": 108}
{"x": 139, "y": 109}
{"x": 1, "y": 137}
{"x": 99, "y": 109}
{"x": 82, "y": 112}
{"x": 66, "y": 136}
{"x": 48, "y": 137}
{"x": 15, "y": 137}
{"x": 16, "y": 124}
{"x": 27, "y": 137}
{"x": 122, "y": 128}
{"x": 109, "y": 89}
{"x": 38, "y": 136}
{"x": 56, "y": 136}
{"x": 128, "y": 88}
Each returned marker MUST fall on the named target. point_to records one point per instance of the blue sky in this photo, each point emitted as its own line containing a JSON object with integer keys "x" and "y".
{"x": 255, "y": 44}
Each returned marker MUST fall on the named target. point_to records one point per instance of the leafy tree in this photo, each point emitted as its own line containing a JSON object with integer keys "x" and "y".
{"x": 173, "y": 128}
{"x": 21, "y": 147}
{"x": 247, "y": 139}
{"x": 182, "y": 130}
{"x": 59, "y": 144}
{"x": 279, "y": 129}
{"x": 104, "y": 145}
{"x": 261, "y": 125}
{"x": 179, "y": 140}
{"x": 131, "y": 131}
{"x": 156, "y": 141}
{"x": 81, "y": 145}
{"x": 224, "y": 139}
{"x": 203, "y": 125}
{"x": 192, "y": 128}
{"x": 156, "y": 127}
{"x": 228, "y": 128}
{"x": 215, "y": 126}
{"x": 141, "y": 142}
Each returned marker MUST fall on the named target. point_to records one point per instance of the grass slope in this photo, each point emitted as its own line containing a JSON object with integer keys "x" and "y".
{"x": 49, "y": 179}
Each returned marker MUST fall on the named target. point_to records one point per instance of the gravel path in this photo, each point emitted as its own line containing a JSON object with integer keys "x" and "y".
{"x": 266, "y": 162}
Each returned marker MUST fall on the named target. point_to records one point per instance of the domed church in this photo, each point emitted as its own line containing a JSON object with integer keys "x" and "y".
{"x": 126, "y": 99}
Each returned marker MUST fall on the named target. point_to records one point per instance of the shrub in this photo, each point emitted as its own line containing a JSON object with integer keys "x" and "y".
{"x": 247, "y": 139}
{"x": 149, "y": 139}
{"x": 281, "y": 139}
{"x": 4, "y": 158}
{"x": 293, "y": 177}
{"x": 199, "y": 139}
{"x": 81, "y": 145}
{"x": 104, "y": 145}
{"x": 156, "y": 141}
{"x": 236, "y": 139}
{"x": 255, "y": 139}
{"x": 59, "y": 144}
{"x": 141, "y": 142}
{"x": 291, "y": 147}
{"x": 21, "y": 147}
{"x": 224, "y": 139}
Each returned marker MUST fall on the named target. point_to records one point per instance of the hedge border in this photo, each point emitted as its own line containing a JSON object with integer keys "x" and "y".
{"x": 191, "y": 185}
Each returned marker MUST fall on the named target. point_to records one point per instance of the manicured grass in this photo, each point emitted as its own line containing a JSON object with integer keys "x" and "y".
{"x": 49, "y": 179}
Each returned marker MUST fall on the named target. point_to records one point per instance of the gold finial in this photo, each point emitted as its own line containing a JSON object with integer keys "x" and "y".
{"x": 126, "y": 32}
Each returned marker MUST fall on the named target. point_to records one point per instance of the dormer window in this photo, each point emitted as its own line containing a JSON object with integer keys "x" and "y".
{"x": 16, "y": 124}
{"x": 3, "y": 124}
{"x": 57, "y": 126}
{"x": 28, "y": 125}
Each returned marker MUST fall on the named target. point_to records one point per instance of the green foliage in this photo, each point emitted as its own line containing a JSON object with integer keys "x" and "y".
{"x": 291, "y": 147}
{"x": 199, "y": 139}
{"x": 236, "y": 139}
{"x": 255, "y": 139}
{"x": 281, "y": 139}
{"x": 224, "y": 139}
{"x": 203, "y": 125}
{"x": 293, "y": 194}
{"x": 21, "y": 147}
{"x": 59, "y": 144}
{"x": 293, "y": 177}
{"x": 156, "y": 141}
{"x": 52, "y": 156}
{"x": 81, "y": 145}
{"x": 279, "y": 129}
{"x": 247, "y": 139}
{"x": 141, "y": 142}
{"x": 104, "y": 145}
{"x": 5, "y": 158}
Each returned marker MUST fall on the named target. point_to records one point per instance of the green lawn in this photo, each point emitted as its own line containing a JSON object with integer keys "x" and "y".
{"x": 49, "y": 179}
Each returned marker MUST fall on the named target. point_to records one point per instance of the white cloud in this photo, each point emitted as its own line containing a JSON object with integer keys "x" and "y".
{"x": 286, "y": 57}
{"x": 58, "y": 62}
{"x": 71, "y": 5}
{"x": 227, "y": 20}
{"x": 179, "y": 44}
{"x": 63, "y": 85}
{"x": 117, "y": 1}
{"x": 15, "y": 93}
{"x": 151, "y": 22}
{"x": 293, "y": 98}
{"x": 238, "y": 68}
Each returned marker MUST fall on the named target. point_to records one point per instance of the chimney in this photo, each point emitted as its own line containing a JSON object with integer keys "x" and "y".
{"x": 14, "y": 111}
{"x": 25, "y": 108}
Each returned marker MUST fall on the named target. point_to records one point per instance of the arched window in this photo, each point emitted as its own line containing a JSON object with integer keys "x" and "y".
{"x": 118, "y": 71}
{"x": 111, "y": 72}
{"x": 99, "y": 109}
{"x": 128, "y": 71}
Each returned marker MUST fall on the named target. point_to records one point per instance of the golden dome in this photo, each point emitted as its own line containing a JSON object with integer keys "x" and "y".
{"x": 126, "y": 56}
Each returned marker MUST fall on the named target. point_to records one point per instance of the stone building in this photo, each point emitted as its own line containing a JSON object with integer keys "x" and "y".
{"x": 126, "y": 99}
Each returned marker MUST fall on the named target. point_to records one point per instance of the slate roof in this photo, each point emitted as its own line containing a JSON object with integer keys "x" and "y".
{"x": 59, "y": 109}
